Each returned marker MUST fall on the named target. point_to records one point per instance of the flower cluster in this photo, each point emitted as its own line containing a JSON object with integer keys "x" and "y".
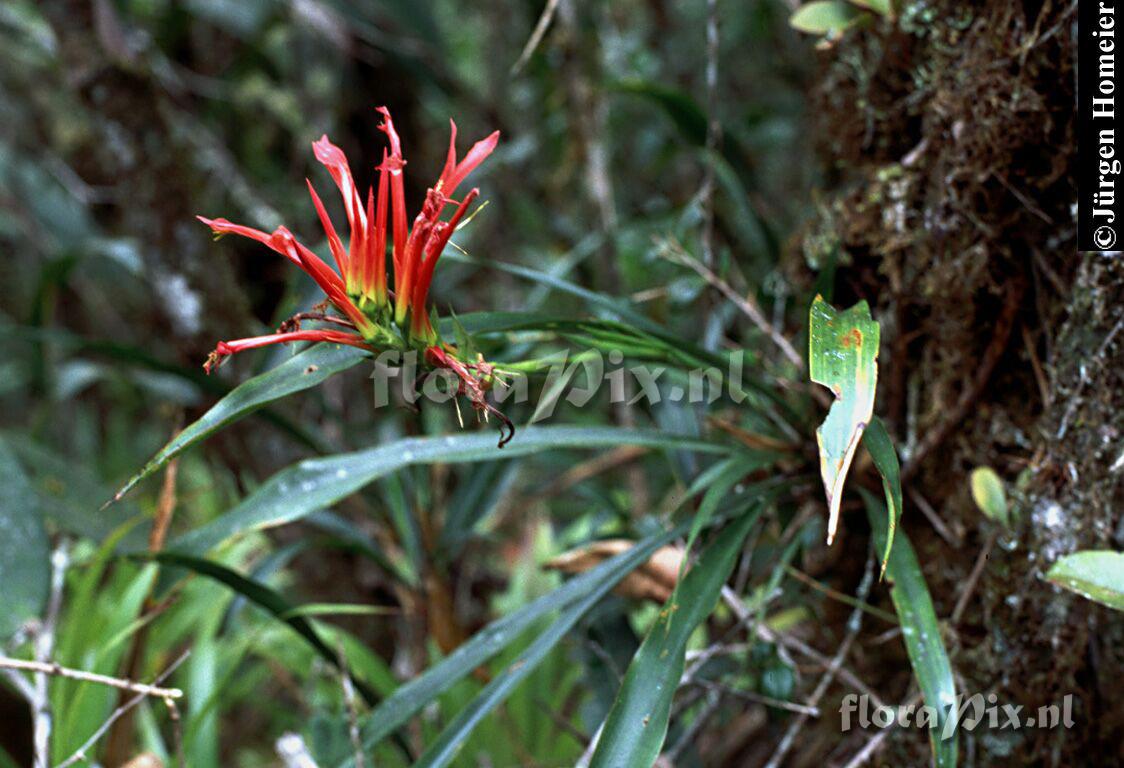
{"x": 370, "y": 315}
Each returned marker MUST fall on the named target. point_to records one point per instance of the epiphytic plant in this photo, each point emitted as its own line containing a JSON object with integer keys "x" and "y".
{"x": 368, "y": 314}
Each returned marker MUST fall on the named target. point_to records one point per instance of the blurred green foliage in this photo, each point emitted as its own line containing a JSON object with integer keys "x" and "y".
{"x": 120, "y": 120}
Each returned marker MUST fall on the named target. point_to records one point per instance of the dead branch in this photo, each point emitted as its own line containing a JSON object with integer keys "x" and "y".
{"x": 56, "y": 670}
{"x": 80, "y": 754}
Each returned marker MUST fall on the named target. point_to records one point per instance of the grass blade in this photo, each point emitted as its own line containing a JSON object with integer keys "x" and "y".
{"x": 254, "y": 591}
{"x": 264, "y": 597}
{"x": 318, "y": 483}
{"x": 921, "y": 632}
{"x": 877, "y": 441}
{"x": 574, "y": 597}
{"x": 298, "y": 373}
{"x": 637, "y": 724}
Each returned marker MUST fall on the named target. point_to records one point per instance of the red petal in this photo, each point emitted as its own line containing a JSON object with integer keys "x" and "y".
{"x": 394, "y": 164}
{"x": 334, "y": 243}
{"x": 437, "y": 242}
{"x": 227, "y": 348}
{"x": 328, "y": 280}
{"x": 405, "y": 275}
{"x": 479, "y": 152}
{"x": 451, "y": 160}
{"x": 387, "y": 127}
{"x": 224, "y": 227}
{"x": 333, "y": 158}
{"x": 380, "y": 232}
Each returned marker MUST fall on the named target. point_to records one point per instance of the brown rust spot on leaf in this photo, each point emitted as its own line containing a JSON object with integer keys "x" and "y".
{"x": 854, "y": 338}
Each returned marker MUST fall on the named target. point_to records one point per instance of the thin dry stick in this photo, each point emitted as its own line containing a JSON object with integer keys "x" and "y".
{"x": 746, "y": 619}
{"x": 352, "y": 707}
{"x": 579, "y": 473}
{"x": 536, "y": 36}
{"x": 844, "y": 673}
{"x": 44, "y": 647}
{"x": 80, "y": 753}
{"x": 885, "y": 637}
{"x": 673, "y": 251}
{"x": 973, "y": 578}
{"x": 177, "y": 732}
{"x": 165, "y": 507}
{"x": 758, "y": 698}
{"x": 119, "y": 743}
{"x": 20, "y": 683}
{"x": 854, "y": 624}
{"x": 839, "y": 596}
{"x": 713, "y": 131}
{"x": 561, "y": 723}
{"x": 688, "y": 736}
{"x": 294, "y": 752}
{"x": 934, "y": 519}
{"x": 875, "y": 742}
{"x": 1036, "y": 365}
{"x": 795, "y": 644}
{"x": 56, "y": 670}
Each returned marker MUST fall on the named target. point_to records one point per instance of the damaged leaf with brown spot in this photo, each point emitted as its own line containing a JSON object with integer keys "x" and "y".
{"x": 843, "y": 356}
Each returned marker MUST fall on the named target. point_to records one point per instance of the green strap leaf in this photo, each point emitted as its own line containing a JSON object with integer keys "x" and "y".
{"x": 1094, "y": 574}
{"x": 637, "y": 724}
{"x": 25, "y": 570}
{"x": 318, "y": 483}
{"x": 300, "y": 372}
{"x": 921, "y": 633}
{"x": 574, "y": 598}
{"x": 843, "y": 355}
{"x": 881, "y": 447}
{"x": 264, "y": 597}
{"x": 254, "y": 591}
{"x": 622, "y": 308}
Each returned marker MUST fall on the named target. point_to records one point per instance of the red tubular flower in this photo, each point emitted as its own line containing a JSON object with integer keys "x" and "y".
{"x": 227, "y": 348}
{"x": 416, "y": 251}
{"x": 359, "y": 291}
{"x": 419, "y": 321}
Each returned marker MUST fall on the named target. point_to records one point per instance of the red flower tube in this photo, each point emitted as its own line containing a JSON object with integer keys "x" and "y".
{"x": 359, "y": 290}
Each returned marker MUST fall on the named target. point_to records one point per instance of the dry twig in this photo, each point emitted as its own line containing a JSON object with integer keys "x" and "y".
{"x": 675, "y": 252}
{"x": 757, "y": 698}
{"x": 877, "y": 740}
{"x": 352, "y": 708}
{"x": 80, "y": 754}
{"x": 973, "y": 579}
{"x": 713, "y": 131}
{"x": 294, "y": 752}
{"x": 119, "y": 743}
{"x": 854, "y": 623}
{"x": 536, "y": 36}
{"x": 934, "y": 519}
{"x": 44, "y": 648}
{"x": 55, "y": 670}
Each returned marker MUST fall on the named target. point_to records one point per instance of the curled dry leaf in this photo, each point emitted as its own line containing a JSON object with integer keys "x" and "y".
{"x": 654, "y": 580}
